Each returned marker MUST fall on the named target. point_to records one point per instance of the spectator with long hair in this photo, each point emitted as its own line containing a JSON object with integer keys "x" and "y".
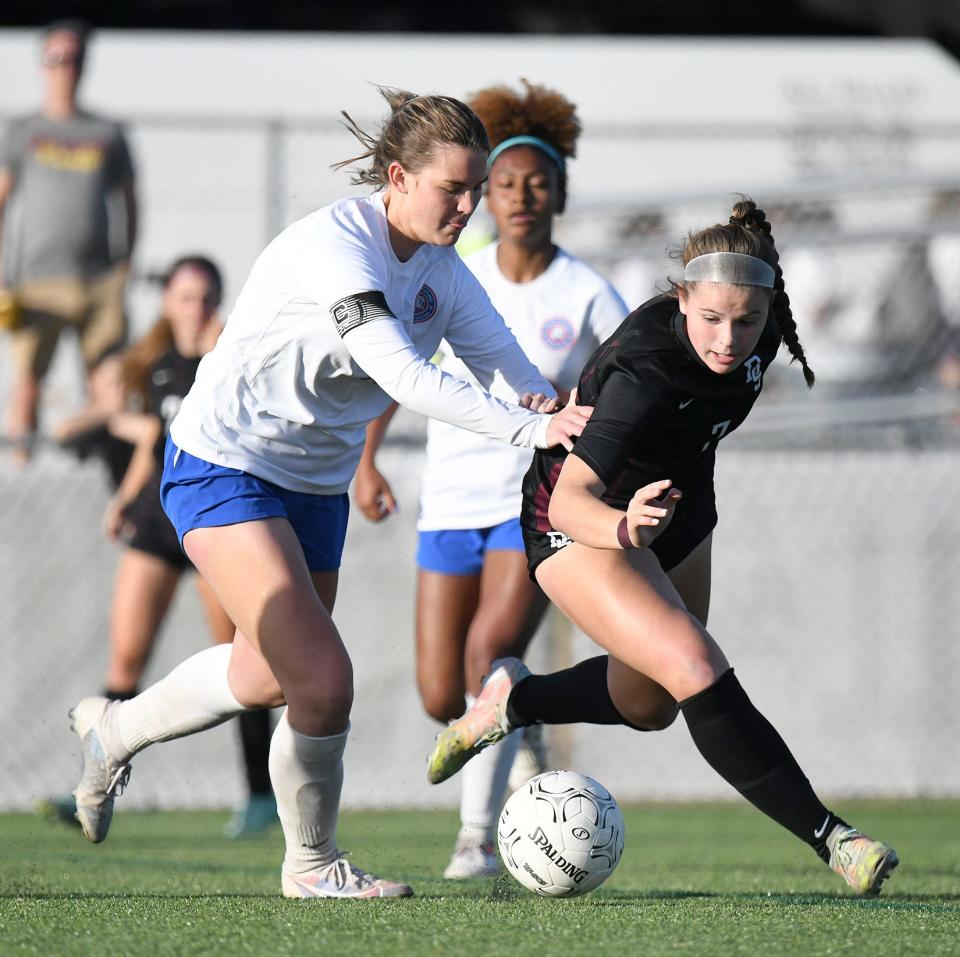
{"x": 154, "y": 375}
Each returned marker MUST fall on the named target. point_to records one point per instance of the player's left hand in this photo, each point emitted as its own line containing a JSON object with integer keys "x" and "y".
{"x": 650, "y": 510}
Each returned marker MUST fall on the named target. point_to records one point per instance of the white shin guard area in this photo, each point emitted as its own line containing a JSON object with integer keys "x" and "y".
{"x": 195, "y": 696}
{"x": 307, "y": 776}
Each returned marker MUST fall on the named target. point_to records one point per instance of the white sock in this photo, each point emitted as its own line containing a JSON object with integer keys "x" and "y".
{"x": 483, "y": 783}
{"x": 193, "y": 697}
{"x": 307, "y": 775}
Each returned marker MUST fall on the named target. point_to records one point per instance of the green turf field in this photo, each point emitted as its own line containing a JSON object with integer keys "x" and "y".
{"x": 701, "y": 880}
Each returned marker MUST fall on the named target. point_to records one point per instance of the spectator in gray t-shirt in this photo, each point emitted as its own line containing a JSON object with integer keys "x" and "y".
{"x": 67, "y": 227}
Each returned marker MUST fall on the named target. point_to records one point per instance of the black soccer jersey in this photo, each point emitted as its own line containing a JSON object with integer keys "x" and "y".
{"x": 659, "y": 412}
{"x": 171, "y": 377}
{"x": 148, "y": 528}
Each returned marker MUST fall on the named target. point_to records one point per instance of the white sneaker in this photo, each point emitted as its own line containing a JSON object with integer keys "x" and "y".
{"x": 530, "y": 759}
{"x": 472, "y": 858}
{"x": 102, "y": 778}
{"x": 340, "y": 879}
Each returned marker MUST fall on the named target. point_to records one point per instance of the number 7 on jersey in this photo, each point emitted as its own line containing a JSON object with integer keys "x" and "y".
{"x": 719, "y": 431}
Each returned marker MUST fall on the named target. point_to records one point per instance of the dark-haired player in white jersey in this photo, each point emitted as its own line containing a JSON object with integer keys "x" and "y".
{"x": 338, "y": 317}
{"x": 475, "y": 600}
{"x": 618, "y": 535}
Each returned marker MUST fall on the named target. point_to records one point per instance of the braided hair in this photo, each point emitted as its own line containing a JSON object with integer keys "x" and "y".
{"x": 748, "y": 232}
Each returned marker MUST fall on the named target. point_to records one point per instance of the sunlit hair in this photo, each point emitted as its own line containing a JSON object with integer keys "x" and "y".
{"x": 748, "y": 232}
{"x": 536, "y": 111}
{"x": 416, "y": 129}
{"x": 139, "y": 359}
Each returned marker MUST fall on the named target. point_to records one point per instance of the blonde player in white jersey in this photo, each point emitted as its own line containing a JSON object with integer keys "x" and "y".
{"x": 475, "y": 598}
{"x": 338, "y": 317}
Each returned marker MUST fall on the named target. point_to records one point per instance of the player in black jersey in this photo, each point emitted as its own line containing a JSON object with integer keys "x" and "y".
{"x": 618, "y": 535}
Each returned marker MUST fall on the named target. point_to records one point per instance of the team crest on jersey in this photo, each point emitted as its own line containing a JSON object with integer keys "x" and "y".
{"x": 558, "y": 332}
{"x": 754, "y": 372}
{"x": 425, "y": 305}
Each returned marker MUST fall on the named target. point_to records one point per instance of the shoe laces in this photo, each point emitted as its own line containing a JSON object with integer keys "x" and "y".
{"x": 118, "y": 781}
{"x": 346, "y": 873}
{"x": 851, "y": 849}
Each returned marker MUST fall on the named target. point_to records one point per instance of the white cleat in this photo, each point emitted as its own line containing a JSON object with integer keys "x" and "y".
{"x": 340, "y": 879}
{"x": 102, "y": 778}
{"x": 472, "y": 858}
{"x": 530, "y": 759}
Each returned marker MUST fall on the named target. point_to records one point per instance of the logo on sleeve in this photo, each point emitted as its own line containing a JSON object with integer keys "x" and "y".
{"x": 353, "y": 311}
{"x": 558, "y": 332}
{"x": 754, "y": 372}
{"x": 425, "y": 305}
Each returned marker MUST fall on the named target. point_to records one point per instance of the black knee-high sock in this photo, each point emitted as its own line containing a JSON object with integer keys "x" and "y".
{"x": 255, "y": 741}
{"x": 744, "y": 748}
{"x": 577, "y": 695}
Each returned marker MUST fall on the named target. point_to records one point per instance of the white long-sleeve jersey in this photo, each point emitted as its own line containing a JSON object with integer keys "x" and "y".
{"x": 559, "y": 319}
{"x": 329, "y": 327}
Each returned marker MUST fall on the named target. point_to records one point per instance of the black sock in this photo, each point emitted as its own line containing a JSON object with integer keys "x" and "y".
{"x": 120, "y": 695}
{"x": 578, "y": 695}
{"x": 255, "y": 733}
{"x": 744, "y": 748}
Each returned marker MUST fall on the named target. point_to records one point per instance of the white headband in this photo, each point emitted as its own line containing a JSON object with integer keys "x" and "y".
{"x": 733, "y": 269}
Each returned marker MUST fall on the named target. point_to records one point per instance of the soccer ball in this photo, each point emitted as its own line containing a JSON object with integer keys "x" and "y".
{"x": 561, "y": 834}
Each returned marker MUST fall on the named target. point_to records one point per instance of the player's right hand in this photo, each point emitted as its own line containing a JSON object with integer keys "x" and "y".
{"x": 114, "y": 522}
{"x": 373, "y": 495}
{"x": 567, "y": 424}
{"x": 650, "y": 511}
{"x": 538, "y": 402}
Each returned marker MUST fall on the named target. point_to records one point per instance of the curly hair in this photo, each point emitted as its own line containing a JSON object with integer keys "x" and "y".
{"x": 537, "y": 111}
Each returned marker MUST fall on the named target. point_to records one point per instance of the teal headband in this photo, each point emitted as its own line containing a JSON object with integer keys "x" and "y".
{"x": 535, "y": 141}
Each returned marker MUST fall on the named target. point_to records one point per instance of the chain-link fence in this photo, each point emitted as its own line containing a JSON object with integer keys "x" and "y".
{"x": 835, "y": 560}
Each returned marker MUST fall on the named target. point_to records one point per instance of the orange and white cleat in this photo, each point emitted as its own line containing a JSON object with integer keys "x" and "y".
{"x": 483, "y": 724}
{"x": 861, "y": 861}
